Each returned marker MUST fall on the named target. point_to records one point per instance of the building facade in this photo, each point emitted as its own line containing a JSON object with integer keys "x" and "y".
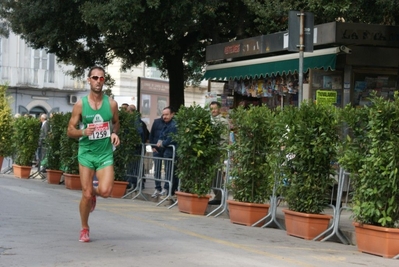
{"x": 38, "y": 84}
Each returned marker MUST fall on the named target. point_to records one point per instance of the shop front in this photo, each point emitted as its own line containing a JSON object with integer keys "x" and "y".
{"x": 349, "y": 61}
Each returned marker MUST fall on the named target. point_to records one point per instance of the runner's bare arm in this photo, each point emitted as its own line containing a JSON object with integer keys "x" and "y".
{"x": 75, "y": 118}
{"x": 115, "y": 116}
{"x": 115, "y": 123}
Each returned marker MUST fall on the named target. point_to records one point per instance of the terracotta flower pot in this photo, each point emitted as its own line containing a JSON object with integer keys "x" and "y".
{"x": 247, "y": 213}
{"x": 305, "y": 225}
{"x": 119, "y": 189}
{"x": 191, "y": 203}
{"x": 377, "y": 240}
{"x": 72, "y": 181}
{"x": 21, "y": 171}
{"x": 54, "y": 176}
{"x": 1, "y": 162}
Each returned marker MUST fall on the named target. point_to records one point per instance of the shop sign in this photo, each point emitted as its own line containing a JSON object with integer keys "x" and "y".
{"x": 326, "y": 97}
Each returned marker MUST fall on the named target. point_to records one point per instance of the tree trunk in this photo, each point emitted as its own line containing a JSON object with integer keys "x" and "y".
{"x": 176, "y": 79}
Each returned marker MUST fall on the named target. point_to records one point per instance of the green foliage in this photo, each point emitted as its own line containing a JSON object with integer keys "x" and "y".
{"x": 199, "y": 149}
{"x": 58, "y": 124}
{"x": 255, "y": 139}
{"x": 312, "y": 136}
{"x": 353, "y": 146}
{"x": 6, "y": 121}
{"x": 374, "y": 145}
{"x": 130, "y": 143}
{"x": 25, "y": 139}
{"x": 69, "y": 150}
{"x": 169, "y": 34}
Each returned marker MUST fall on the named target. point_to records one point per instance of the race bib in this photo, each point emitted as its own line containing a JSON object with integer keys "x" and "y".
{"x": 102, "y": 130}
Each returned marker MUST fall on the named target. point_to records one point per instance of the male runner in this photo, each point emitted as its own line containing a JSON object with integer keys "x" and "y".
{"x": 98, "y": 117}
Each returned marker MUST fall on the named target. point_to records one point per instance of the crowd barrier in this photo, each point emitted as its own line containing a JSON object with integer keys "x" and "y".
{"x": 159, "y": 169}
{"x": 162, "y": 171}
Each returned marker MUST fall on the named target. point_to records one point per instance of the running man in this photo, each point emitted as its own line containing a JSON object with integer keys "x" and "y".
{"x": 97, "y": 115}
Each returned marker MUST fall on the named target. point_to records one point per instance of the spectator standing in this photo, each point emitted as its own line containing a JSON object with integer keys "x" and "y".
{"x": 164, "y": 143}
{"x": 44, "y": 129}
{"x": 155, "y": 134}
{"x": 217, "y": 117}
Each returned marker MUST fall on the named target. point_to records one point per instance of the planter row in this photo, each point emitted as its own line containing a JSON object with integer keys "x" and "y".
{"x": 375, "y": 240}
{"x": 72, "y": 181}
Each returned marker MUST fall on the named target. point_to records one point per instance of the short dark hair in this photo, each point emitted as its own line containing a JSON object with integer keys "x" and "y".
{"x": 95, "y": 68}
{"x": 216, "y": 103}
{"x": 172, "y": 110}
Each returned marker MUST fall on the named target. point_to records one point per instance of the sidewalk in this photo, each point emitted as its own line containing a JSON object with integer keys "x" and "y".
{"x": 345, "y": 224}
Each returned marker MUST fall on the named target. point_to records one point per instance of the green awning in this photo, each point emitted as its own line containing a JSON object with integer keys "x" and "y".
{"x": 267, "y": 66}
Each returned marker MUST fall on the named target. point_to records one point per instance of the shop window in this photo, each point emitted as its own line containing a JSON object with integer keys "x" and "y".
{"x": 327, "y": 81}
{"x": 365, "y": 83}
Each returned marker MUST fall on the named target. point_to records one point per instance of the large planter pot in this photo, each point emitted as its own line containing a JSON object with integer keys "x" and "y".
{"x": 1, "y": 162}
{"x": 21, "y": 171}
{"x": 305, "y": 225}
{"x": 54, "y": 176}
{"x": 119, "y": 189}
{"x": 377, "y": 240}
{"x": 191, "y": 203}
{"x": 72, "y": 181}
{"x": 247, "y": 213}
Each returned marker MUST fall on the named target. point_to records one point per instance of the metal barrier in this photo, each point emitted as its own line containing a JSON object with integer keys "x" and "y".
{"x": 343, "y": 179}
{"x": 40, "y": 156}
{"x": 8, "y": 170}
{"x": 271, "y": 217}
{"x": 163, "y": 172}
{"x": 134, "y": 170}
{"x": 219, "y": 184}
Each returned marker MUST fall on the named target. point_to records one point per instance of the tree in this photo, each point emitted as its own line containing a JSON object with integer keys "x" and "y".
{"x": 171, "y": 34}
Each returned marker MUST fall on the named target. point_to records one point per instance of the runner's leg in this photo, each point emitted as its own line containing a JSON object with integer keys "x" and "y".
{"x": 86, "y": 179}
{"x": 105, "y": 181}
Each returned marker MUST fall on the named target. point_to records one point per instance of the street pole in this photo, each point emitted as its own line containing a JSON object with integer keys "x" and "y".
{"x": 301, "y": 49}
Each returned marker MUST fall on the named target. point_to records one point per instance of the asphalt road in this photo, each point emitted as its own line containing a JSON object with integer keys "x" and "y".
{"x": 39, "y": 226}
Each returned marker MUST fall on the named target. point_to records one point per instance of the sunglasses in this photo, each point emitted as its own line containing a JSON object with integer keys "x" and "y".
{"x": 98, "y": 77}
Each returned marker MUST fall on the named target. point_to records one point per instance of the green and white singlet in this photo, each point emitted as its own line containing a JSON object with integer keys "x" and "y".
{"x": 95, "y": 151}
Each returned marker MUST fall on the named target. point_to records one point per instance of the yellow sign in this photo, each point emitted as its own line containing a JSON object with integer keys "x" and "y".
{"x": 324, "y": 97}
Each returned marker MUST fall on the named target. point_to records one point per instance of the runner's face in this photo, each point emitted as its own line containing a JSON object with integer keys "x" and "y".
{"x": 96, "y": 85}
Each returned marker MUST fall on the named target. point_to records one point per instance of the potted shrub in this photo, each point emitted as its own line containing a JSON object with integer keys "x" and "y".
{"x": 311, "y": 141}
{"x": 25, "y": 140}
{"x": 198, "y": 146}
{"x": 69, "y": 158}
{"x": 129, "y": 142}
{"x": 6, "y": 127}
{"x": 371, "y": 154}
{"x": 252, "y": 180}
{"x": 53, "y": 155}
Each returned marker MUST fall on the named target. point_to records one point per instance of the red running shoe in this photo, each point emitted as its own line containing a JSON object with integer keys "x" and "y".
{"x": 93, "y": 203}
{"x": 84, "y": 235}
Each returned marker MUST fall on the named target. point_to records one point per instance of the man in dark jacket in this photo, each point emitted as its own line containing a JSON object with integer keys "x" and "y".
{"x": 155, "y": 133}
{"x": 165, "y": 142}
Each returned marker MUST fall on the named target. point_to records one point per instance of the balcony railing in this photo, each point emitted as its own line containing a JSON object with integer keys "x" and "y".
{"x": 39, "y": 78}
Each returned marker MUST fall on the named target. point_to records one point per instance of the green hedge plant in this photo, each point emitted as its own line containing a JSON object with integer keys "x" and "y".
{"x": 25, "y": 139}
{"x": 371, "y": 154}
{"x": 6, "y": 123}
{"x": 130, "y": 143}
{"x": 311, "y": 140}
{"x": 255, "y": 139}
{"x": 69, "y": 150}
{"x": 199, "y": 150}
{"x": 58, "y": 124}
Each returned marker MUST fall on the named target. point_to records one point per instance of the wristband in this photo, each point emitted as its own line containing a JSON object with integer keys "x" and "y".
{"x": 83, "y": 132}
